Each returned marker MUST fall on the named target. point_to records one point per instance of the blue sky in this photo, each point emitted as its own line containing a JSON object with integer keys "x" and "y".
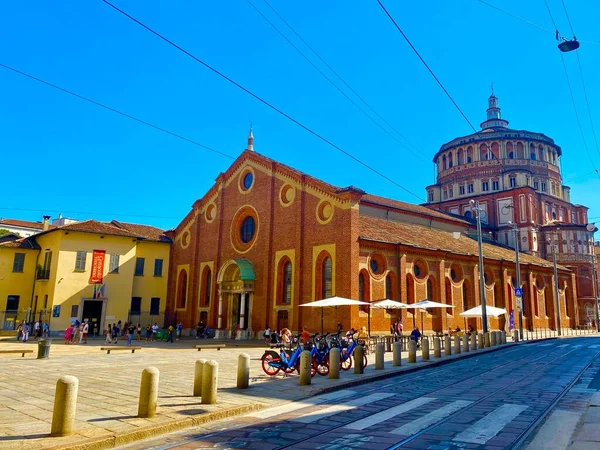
{"x": 65, "y": 155}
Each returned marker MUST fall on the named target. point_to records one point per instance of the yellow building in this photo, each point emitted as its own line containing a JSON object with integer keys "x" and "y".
{"x": 18, "y": 260}
{"x": 102, "y": 272}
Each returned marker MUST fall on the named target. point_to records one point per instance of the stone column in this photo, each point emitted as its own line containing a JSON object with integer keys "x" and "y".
{"x": 220, "y": 317}
{"x": 243, "y": 310}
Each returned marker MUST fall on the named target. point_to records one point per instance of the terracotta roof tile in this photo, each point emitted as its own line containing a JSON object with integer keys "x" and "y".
{"x": 421, "y": 237}
{"x": 411, "y": 208}
{"x": 24, "y": 224}
{"x": 145, "y": 231}
{"x": 23, "y": 243}
{"x": 115, "y": 228}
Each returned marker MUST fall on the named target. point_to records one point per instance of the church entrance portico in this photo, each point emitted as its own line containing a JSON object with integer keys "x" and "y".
{"x": 235, "y": 281}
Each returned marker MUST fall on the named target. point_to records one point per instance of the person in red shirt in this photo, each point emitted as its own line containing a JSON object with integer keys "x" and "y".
{"x": 305, "y": 336}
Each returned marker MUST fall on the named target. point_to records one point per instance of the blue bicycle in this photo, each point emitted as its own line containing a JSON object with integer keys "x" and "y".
{"x": 286, "y": 360}
{"x": 347, "y": 354}
{"x": 320, "y": 354}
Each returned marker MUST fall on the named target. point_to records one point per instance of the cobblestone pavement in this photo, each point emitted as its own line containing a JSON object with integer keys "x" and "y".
{"x": 109, "y": 389}
{"x": 493, "y": 401}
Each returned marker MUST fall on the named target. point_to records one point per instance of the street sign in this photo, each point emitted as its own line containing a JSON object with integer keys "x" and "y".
{"x": 519, "y": 303}
{"x": 519, "y": 292}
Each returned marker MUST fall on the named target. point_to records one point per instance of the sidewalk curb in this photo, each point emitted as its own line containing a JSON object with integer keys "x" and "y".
{"x": 129, "y": 437}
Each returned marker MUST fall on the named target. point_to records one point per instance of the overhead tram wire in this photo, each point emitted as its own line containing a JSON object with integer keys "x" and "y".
{"x": 264, "y": 102}
{"x": 121, "y": 113}
{"x": 340, "y": 77}
{"x": 562, "y": 58}
{"x": 533, "y": 24}
{"x": 331, "y": 81}
{"x": 587, "y": 101}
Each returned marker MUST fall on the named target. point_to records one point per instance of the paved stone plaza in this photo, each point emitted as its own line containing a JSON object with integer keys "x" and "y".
{"x": 109, "y": 388}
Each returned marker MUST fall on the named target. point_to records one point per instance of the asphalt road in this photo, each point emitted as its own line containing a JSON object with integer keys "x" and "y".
{"x": 530, "y": 396}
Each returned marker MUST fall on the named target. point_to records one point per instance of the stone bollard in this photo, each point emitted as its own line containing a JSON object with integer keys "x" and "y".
{"x": 199, "y": 367}
{"x": 210, "y": 381}
{"x": 397, "y": 360}
{"x": 473, "y": 342}
{"x": 457, "y": 345}
{"x": 480, "y": 341}
{"x": 437, "y": 347}
{"x": 493, "y": 339}
{"x": 334, "y": 363}
{"x": 425, "y": 349}
{"x": 447, "y": 346}
{"x": 412, "y": 351}
{"x": 358, "y": 356}
{"x": 465, "y": 343}
{"x": 148, "y": 393}
{"x": 515, "y": 335}
{"x": 488, "y": 342}
{"x": 379, "y": 356}
{"x": 243, "y": 371}
{"x": 65, "y": 403}
{"x": 305, "y": 368}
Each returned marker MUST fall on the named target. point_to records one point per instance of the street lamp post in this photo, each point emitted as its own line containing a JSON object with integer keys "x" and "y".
{"x": 481, "y": 271}
{"x": 516, "y": 232}
{"x": 556, "y": 301}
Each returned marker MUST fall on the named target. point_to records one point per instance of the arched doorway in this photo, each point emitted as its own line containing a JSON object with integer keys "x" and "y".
{"x": 235, "y": 279}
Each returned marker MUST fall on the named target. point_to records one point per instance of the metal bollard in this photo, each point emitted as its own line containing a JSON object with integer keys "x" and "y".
{"x": 379, "y": 356}
{"x": 412, "y": 351}
{"x": 358, "y": 356}
{"x": 473, "y": 342}
{"x": 465, "y": 343}
{"x": 334, "y": 363}
{"x": 515, "y": 336}
{"x": 148, "y": 393}
{"x": 437, "y": 347}
{"x": 243, "y": 371}
{"x": 65, "y": 403}
{"x": 425, "y": 349}
{"x": 493, "y": 339}
{"x": 305, "y": 368}
{"x": 397, "y": 360}
{"x": 480, "y": 342}
{"x": 198, "y": 368}
{"x": 210, "y": 381}
{"x": 447, "y": 346}
{"x": 457, "y": 345}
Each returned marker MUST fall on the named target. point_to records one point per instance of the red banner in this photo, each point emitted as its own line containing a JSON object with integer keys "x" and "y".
{"x": 97, "y": 266}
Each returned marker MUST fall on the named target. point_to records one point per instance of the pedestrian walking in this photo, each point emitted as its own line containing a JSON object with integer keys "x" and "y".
{"x": 36, "y": 330}
{"x": 25, "y": 332}
{"x": 68, "y": 334}
{"x": 154, "y": 331}
{"x": 46, "y": 329}
{"x": 170, "y": 338}
{"x": 84, "y": 331}
{"x": 179, "y": 330}
{"x": 20, "y": 331}
{"x": 139, "y": 332}
{"x": 115, "y": 333}
{"x": 130, "y": 332}
{"x": 108, "y": 333}
{"x": 148, "y": 333}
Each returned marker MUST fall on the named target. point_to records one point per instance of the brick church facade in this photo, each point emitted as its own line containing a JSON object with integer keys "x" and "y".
{"x": 267, "y": 238}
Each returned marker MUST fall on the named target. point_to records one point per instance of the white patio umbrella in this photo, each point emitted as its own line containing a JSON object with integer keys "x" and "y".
{"x": 388, "y": 304}
{"x": 489, "y": 311}
{"x": 333, "y": 302}
{"x": 426, "y": 304}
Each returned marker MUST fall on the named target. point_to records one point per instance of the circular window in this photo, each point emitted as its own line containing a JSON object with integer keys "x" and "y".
{"x": 244, "y": 229}
{"x": 246, "y": 180}
{"x": 456, "y": 273}
{"x": 247, "y": 229}
{"x": 287, "y": 194}
{"x": 374, "y": 265}
{"x": 324, "y": 211}
{"x": 185, "y": 239}
{"x": 211, "y": 212}
{"x": 377, "y": 264}
{"x": 420, "y": 269}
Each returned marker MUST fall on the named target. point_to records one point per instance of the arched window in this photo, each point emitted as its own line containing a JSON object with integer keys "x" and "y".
{"x": 364, "y": 291}
{"x": 361, "y": 287}
{"x": 468, "y": 214}
{"x": 284, "y": 295}
{"x": 444, "y": 164}
{"x": 520, "y": 151}
{"x": 469, "y": 154}
{"x": 206, "y": 287}
{"x": 495, "y": 151}
{"x": 460, "y": 157}
{"x": 429, "y": 289}
{"x": 182, "y": 289}
{"x": 323, "y": 276}
{"x": 389, "y": 286}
